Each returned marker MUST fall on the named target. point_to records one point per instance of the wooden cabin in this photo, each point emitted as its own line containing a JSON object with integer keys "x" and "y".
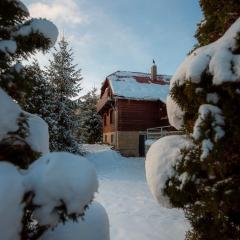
{"x": 129, "y": 104}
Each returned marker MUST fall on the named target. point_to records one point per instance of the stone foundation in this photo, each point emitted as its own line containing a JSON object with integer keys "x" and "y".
{"x": 128, "y": 143}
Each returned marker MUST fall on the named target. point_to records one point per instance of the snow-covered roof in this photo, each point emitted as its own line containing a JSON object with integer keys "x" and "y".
{"x": 140, "y": 86}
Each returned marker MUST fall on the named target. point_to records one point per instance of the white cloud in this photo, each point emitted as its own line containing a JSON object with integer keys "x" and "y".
{"x": 101, "y": 43}
{"x": 60, "y": 11}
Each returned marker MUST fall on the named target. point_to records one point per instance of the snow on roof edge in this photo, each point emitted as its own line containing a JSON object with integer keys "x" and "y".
{"x": 142, "y": 73}
{"x": 124, "y": 84}
{"x": 139, "y": 99}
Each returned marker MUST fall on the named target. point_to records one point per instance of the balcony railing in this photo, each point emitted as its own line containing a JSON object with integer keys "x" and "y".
{"x": 158, "y": 132}
{"x": 103, "y": 101}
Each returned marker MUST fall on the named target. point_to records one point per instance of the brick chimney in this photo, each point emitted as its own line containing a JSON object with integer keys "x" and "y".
{"x": 154, "y": 71}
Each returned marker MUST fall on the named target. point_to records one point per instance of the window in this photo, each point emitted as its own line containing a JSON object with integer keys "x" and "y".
{"x": 112, "y": 139}
{"x": 105, "y": 138}
{"x": 111, "y": 116}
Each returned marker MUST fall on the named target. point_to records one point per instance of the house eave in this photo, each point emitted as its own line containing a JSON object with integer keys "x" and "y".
{"x": 139, "y": 99}
{"x": 104, "y": 104}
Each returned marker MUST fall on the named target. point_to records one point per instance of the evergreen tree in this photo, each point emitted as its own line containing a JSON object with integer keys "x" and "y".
{"x": 219, "y": 15}
{"x": 39, "y": 100}
{"x": 206, "y": 179}
{"x": 20, "y": 37}
{"x": 90, "y": 123}
{"x": 65, "y": 84}
{"x": 35, "y": 197}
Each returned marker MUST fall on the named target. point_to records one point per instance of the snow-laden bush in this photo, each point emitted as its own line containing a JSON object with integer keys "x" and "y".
{"x": 36, "y": 196}
{"x": 160, "y": 164}
{"x": 11, "y": 206}
{"x": 60, "y": 180}
{"x": 219, "y": 62}
{"x": 55, "y": 188}
{"x": 88, "y": 227}
{"x": 203, "y": 179}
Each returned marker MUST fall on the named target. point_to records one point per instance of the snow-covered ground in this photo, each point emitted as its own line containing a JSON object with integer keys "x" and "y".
{"x": 133, "y": 213}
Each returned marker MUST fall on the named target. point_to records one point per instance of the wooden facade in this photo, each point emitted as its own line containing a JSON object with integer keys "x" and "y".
{"x": 138, "y": 115}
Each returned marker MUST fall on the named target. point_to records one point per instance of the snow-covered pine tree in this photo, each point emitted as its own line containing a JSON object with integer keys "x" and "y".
{"x": 65, "y": 82}
{"x": 38, "y": 101}
{"x": 218, "y": 16}
{"x": 57, "y": 187}
{"x": 200, "y": 172}
{"x": 20, "y": 36}
{"x": 90, "y": 122}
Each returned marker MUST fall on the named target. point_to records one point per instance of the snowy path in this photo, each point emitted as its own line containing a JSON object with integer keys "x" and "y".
{"x": 133, "y": 213}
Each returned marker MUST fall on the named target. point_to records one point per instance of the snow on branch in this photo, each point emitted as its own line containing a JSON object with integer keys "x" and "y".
{"x": 94, "y": 226}
{"x": 38, "y": 136}
{"x": 8, "y": 46}
{"x": 175, "y": 113}
{"x": 218, "y": 58}
{"x": 43, "y": 26}
{"x": 11, "y": 206}
{"x": 62, "y": 184}
{"x": 160, "y": 161}
{"x": 217, "y": 124}
{"x": 36, "y": 129}
{"x": 9, "y": 112}
{"x": 61, "y": 179}
{"x": 19, "y": 4}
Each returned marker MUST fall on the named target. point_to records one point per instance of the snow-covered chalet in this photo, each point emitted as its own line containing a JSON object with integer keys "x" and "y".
{"x": 130, "y": 103}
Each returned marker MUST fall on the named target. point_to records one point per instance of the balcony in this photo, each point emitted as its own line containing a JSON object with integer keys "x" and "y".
{"x": 159, "y": 132}
{"x": 104, "y": 102}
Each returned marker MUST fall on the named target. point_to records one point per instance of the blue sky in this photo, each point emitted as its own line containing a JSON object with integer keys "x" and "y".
{"x": 111, "y": 35}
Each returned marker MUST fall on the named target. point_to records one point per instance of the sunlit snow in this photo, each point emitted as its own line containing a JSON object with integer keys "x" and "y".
{"x": 123, "y": 191}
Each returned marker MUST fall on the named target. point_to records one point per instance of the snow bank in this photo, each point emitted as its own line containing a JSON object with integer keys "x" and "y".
{"x": 46, "y": 27}
{"x": 9, "y": 112}
{"x": 94, "y": 226}
{"x": 11, "y": 195}
{"x": 58, "y": 177}
{"x": 161, "y": 158}
{"x": 95, "y": 148}
{"x": 38, "y": 137}
{"x": 124, "y": 192}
